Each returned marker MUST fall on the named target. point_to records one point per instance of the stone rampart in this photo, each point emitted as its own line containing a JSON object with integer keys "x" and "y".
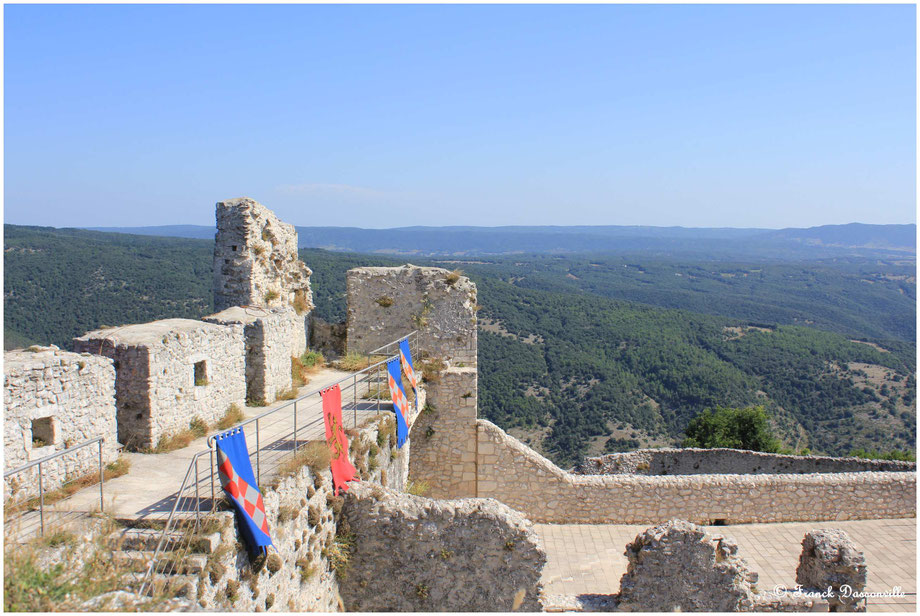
{"x": 304, "y": 567}
{"x": 256, "y": 261}
{"x": 386, "y": 303}
{"x": 516, "y": 475}
{"x": 169, "y": 373}
{"x": 54, "y": 399}
{"x": 444, "y": 435}
{"x": 690, "y": 461}
{"x": 273, "y": 336}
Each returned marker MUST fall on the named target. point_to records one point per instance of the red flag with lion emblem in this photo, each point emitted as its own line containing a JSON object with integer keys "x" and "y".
{"x": 342, "y": 469}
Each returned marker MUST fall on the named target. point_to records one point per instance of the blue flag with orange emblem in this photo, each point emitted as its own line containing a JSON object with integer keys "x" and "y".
{"x": 400, "y": 402}
{"x": 405, "y": 358}
{"x": 239, "y": 483}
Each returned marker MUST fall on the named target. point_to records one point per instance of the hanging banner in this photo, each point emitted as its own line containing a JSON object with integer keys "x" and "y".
{"x": 400, "y": 403}
{"x": 342, "y": 468}
{"x": 238, "y": 481}
{"x": 405, "y": 358}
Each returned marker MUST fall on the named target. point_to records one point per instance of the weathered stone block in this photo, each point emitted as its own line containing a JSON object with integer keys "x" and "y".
{"x": 446, "y": 556}
{"x": 53, "y": 400}
{"x": 256, "y": 261}
{"x": 273, "y": 336}
{"x": 170, "y": 372}
{"x": 386, "y": 303}
{"x": 830, "y": 560}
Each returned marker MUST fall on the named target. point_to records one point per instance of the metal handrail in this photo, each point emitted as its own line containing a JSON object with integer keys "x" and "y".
{"x": 397, "y": 341}
{"x": 351, "y": 376}
{"x": 59, "y": 454}
{"x": 292, "y": 404}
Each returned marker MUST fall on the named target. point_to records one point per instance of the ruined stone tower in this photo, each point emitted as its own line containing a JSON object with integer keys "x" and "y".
{"x": 256, "y": 261}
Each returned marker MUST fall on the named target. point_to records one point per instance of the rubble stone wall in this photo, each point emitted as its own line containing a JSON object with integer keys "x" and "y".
{"x": 303, "y": 515}
{"x": 416, "y": 554}
{"x": 255, "y": 259}
{"x": 327, "y": 338}
{"x": 516, "y": 475}
{"x": 273, "y": 336}
{"x": 155, "y": 364}
{"x": 444, "y": 435}
{"x": 723, "y": 461}
{"x": 52, "y": 400}
{"x": 386, "y": 303}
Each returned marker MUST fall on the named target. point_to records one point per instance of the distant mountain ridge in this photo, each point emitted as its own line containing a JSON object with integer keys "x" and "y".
{"x": 823, "y": 241}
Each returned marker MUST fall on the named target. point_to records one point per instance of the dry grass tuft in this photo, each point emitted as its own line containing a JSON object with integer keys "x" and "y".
{"x": 233, "y": 416}
{"x": 453, "y": 277}
{"x": 352, "y": 362}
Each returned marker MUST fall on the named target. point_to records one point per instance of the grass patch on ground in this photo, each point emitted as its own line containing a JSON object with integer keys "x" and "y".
{"x": 314, "y": 455}
{"x": 302, "y": 366}
{"x": 352, "y": 362}
{"x": 233, "y": 416}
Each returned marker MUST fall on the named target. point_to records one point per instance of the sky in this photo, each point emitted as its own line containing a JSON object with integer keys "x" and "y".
{"x": 388, "y": 116}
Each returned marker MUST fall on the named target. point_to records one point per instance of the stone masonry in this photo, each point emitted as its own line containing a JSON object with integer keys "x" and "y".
{"x": 830, "y": 560}
{"x": 444, "y": 435}
{"x": 273, "y": 336}
{"x": 416, "y": 554}
{"x": 52, "y": 400}
{"x": 170, "y": 372}
{"x": 256, "y": 261}
{"x": 521, "y": 478}
{"x": 678, "y": 567}
{"x": 386, "y": 303}
{"x": 721, "y": 461}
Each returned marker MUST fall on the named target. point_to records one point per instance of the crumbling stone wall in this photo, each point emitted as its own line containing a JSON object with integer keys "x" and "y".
{"x": 273, "y": 336}
{"x": 516, "y": 475}
{"x": 416, "y": 554}
{"x": 255, "y": 259}
{"x": 309, "y": 559}
{"x": 156, "y": 363}
{"x": 327, "y": 338}
{"x": 444, "y": 435}
{"x": 830, "y": 560}
{"x": 678, "y": 567}
{"x": 386, "y": 303}
{"x": 54, "y": 399}
{"x": 723, "y": 461}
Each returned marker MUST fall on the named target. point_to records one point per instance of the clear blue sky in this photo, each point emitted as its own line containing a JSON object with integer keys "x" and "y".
{"x": 375, "y": 116}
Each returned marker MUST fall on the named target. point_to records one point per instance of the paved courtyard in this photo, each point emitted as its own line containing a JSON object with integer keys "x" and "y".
{"x": 588, "y": 558}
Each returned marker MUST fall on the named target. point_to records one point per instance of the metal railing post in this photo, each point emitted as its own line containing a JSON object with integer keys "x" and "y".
{"x": 377, "y": 387}
{"x": 213, "y": 495}
{"x": 197, "y": 497}
{"x": 295, "y": 426}
{"x": 101, "y": 480}
{"x": 41, "y": 499}
{"x": 354, "y": 394}
{"x": 258, "y": 458}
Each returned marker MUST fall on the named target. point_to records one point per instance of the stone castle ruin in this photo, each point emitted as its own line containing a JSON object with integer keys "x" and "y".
{"x": 138, "y": 384}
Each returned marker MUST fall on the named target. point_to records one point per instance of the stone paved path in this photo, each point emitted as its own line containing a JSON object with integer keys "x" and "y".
{"x": 588, "y": 558}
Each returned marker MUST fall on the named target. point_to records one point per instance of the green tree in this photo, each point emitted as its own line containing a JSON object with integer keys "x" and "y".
{"x": 738, "y": 428}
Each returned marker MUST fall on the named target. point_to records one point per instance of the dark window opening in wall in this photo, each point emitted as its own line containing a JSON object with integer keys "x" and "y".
{"x": 234, "y": 248}
{"x": 718, "y": 522}
{"x": 201, "y": 373}
{"x": 42, "y": 432}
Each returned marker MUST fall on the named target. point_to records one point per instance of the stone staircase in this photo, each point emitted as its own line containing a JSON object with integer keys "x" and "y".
{"x": 183, "y": 559}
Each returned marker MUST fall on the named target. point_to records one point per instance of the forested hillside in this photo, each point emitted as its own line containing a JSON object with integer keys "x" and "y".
{"x": 566, "y": 362}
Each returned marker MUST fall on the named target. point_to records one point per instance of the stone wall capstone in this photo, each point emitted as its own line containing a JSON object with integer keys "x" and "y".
{"x": 53, "y": 400}
{"x": 273, "y": 336}
{"x": 386, "y": 303}
{"x": 516, "y": 475}
{"x": 255, "y": 259}
{"x": 170, "y": 372}
{"x": 417, "y": 554}
{"x": 723, "y": 461}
